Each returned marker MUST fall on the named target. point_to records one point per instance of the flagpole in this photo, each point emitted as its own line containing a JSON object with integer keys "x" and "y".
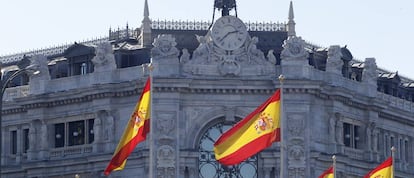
{"x": 151, "y": 147}
{"x": 393, "y": 149}
{"x": 334, "y": 165}
{"x": 282, "y": 140}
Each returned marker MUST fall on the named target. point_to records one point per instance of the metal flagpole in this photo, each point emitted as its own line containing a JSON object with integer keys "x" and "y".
{"x": 334, "y": 165}
{"x": 151, "y": 133}
{"x": 393, "y": 149}
{"x": 282, "y": 128}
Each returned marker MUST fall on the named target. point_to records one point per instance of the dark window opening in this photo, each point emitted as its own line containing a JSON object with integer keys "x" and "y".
{"x": 13, "y": 149}
{"x": 25, "y": 140}
{"x": 59, "y": 135}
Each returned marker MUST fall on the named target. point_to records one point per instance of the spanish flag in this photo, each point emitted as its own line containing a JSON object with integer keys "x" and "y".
{"x": 252, "y": 134}
{"x": 135, "y": 132}
{"x": 384, "y": 170}
{"x": 329, "y": 173}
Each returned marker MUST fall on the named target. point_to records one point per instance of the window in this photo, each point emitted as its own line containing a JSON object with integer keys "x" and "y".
{"x": 391, "y": 143}
{"x": 80, "y": 65}
{"x": 407, "y": 151}
{"x": 83, "y": 69}
{"x": 13, "y": 138}
{"x": 400, "y": 147}
{"x": 128, "y": 60}
{"x": 25, "y": 140}
{"x": 74, "y": 133}
{"x": 59, "y": 135}
{"x": 210, "y": 168}
{"x": 351, "y": 135}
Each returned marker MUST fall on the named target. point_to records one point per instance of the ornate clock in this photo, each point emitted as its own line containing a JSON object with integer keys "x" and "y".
{"x": 229, "y": 33}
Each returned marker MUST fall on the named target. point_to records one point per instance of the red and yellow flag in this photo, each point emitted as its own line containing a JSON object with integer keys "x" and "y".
{"x": 384, "y": 170}
{"x": 329, "y": 173}
{"x": 135, "y": 132}
{"x": 252, "y": 134}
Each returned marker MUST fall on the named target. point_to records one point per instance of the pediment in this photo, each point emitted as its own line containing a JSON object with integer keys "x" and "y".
{"x": 79, "y": 50}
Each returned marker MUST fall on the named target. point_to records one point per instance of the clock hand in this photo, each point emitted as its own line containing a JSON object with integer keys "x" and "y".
{"x": 227, "y": 34}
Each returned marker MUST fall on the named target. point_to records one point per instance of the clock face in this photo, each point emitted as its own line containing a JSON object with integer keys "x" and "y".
{"x": 229, "y": 33}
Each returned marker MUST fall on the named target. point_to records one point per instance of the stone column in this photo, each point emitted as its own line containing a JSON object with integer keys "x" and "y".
{"x": 44, "y": 142}
{"x": 97, "y": 135}
{"x": 19, "y": 146}
{"x": 31, "y": 153}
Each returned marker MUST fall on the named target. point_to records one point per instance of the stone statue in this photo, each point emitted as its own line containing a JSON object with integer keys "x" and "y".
{"x": 203, "y": 49}
{"x": 369, "y": 74}
{"x": 332, "y": 121}
{"x": 255, "y": 55}
{"x": 164, "y": 47}
{"x": 97, "y": 126}
{"x": 185, "y": 56}
{"x": 104, "y": 59}
{"x": 334, "y": 63}
{"x": 271, "y": 57}
{"x": 39, "y": 63}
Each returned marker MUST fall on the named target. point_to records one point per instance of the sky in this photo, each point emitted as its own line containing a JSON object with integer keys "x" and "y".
{"x": 370, "y": 28}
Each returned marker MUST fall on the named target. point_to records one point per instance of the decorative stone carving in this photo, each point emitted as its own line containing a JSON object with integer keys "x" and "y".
{"x": 165, "y": 123}
{"x": 229, "y": 66}
{"x": 185, "y": 56}
{"x": 334, "y": 63}
{"x": 165, "y": 157}
{"x": 97, "y": 126}
{"x": 294, "y": 48}
{"x": 297, "y": 172}
{"x": 295, "y": 124}
{"x": 104, "y": 59}
{"x": 271, "y": 57}
{"x": 210, "y": 59}
{"x": 166, "y": 172}
{"x": 296, "y": 155}
{"x": 164, "y": 48}
{"x": 109, "y": 126}
{"x": 39, "y": 63}
{"x": 369, "y": 74}
{"x": 339, "y": 135}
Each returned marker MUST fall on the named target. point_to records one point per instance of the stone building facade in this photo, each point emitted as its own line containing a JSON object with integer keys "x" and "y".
{"x": 67, "y": 120}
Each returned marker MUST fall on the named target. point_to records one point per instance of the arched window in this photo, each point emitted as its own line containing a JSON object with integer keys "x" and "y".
{"x": 208, "y": 165}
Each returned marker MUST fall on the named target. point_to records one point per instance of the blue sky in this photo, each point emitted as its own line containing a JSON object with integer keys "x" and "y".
{"x": 369, "y": 28}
